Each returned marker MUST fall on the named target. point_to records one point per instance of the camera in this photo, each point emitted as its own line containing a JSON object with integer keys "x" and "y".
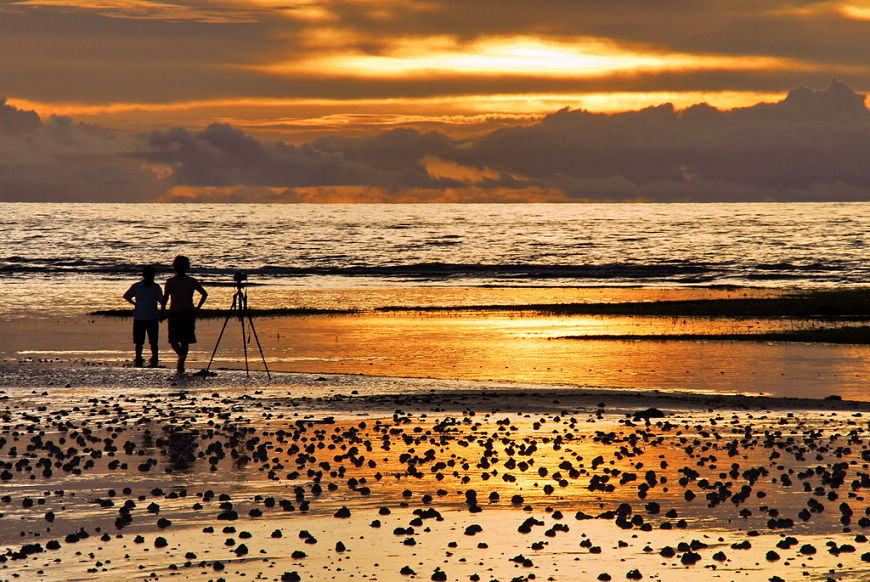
{"x": 240, "y": 278}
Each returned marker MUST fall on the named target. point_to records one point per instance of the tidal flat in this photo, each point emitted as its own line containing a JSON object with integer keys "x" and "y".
{"x": 119, "y": 473}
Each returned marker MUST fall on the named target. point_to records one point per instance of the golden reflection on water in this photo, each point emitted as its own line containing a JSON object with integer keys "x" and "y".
{"x": 481, "y": 345}
{"x": 521, "y": 349}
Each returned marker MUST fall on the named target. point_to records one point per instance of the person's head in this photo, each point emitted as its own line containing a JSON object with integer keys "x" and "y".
{"x": 148, "y": 274}
{"x": 181, "y": 264}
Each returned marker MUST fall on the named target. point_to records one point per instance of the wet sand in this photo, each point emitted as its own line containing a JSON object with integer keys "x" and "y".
{"x": 118, "y": 473}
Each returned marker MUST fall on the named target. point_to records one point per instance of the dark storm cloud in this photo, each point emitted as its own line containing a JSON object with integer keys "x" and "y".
{"x": 391, "y": 150}
{"x": 59, "y": 161}
{"x": 14, "y": 121}
{"x": 223, "y": 156}
{"x": 811, "y": 146}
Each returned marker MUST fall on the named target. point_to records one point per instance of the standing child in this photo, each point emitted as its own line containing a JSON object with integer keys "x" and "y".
{"x": 145, "y": 295}
{"x": 182, "y": 313}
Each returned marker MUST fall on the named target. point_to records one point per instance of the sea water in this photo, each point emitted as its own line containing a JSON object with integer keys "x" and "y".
{"x": 63, "y": 258}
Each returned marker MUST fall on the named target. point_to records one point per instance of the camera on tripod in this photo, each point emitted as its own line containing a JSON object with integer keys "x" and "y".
{"x": 239, "y": 308}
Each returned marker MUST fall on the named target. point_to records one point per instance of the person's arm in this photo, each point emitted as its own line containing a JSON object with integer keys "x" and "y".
{"x": 129, "y": 295}
{"x": 164, "y": 302}
{"x": 203, "y": 294}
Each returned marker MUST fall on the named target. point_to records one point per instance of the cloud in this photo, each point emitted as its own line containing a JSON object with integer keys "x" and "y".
{"x": 782, "y": 151}
{"x": 514, "y": 56}
{"x": 145, "y": 9}
{"x": 223, "y": 163}
{"x": 59, "y": 161}
{"x": 73, "y": 52}
{"x": 115, "y": 52}
{"x": 14, "y": 121}
{"x": 392, "y": 150}
{"x": 224, "y": 156}
{"x": 809, "y": 146}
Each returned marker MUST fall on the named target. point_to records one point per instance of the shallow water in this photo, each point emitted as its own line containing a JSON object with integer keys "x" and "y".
{"x": 520, "y": 349}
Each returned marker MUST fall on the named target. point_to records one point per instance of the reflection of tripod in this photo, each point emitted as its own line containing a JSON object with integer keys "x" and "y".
{"x": 240, "y": 308}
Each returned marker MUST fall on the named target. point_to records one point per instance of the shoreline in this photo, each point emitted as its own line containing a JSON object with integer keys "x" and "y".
{"x": 355, "y": 389}
{"x": 791, "y": 303}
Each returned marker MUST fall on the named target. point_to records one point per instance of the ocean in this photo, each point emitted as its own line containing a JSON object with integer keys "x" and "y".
{"x": 56, "y": 254}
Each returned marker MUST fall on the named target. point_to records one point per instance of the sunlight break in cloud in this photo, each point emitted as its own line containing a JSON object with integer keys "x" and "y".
{"x": 855, "y": 11}
{"x": 438, "y": 168}
{"x": 512, "y": 55}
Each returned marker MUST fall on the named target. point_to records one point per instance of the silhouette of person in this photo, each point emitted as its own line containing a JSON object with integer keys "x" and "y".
{"x": 179, "y": 291}
{"x": 146, "y": 296}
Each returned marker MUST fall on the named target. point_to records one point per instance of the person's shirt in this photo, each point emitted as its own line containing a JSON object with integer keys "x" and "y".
{"x": 179, "y": 292}
{"x": 147, "y": 299}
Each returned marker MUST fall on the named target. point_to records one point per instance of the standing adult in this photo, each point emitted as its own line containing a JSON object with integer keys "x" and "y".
{"x": 146, "y": 296}
{"x": 179, "y": 291}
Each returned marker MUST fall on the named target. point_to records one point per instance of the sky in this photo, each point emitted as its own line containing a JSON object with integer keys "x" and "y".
{"x": 434, "y": 100}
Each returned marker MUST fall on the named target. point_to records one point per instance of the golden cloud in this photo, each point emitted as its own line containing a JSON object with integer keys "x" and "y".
{"x": 517, "y": 56}
{"x": 301, "y": 118}
{"x": 439, "y": 169}
{"x": 361, "y": 194}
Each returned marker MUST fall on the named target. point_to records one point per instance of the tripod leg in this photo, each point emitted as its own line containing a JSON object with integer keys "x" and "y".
{"x": 221, "y": 335}
{"x": 259, "y": 347}
{"x": 244, "y": 344}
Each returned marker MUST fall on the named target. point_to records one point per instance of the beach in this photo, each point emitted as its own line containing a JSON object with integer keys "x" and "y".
{"x": 532, "y": 408}
{"x": 120, "y": 473}
{"x": 433, "y": 446}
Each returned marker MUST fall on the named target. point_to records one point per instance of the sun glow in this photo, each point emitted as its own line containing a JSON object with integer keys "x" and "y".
{"x": 856, "y": 11}
{"x": 526, "y": 56}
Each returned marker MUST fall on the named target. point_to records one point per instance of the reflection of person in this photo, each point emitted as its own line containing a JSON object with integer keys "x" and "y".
{"x": 182, "y": 313}
{"x": 145, "y": 295}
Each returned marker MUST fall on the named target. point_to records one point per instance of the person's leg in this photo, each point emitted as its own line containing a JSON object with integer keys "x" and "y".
{"x": 174, "y": 336}
{"x": 138, "y": 341}
{"x": 182, "y": 356}
{"x": 180, "y": 337}
{"x": 153, "y": 333}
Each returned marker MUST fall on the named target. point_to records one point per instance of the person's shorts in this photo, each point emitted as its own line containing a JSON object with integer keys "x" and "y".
{"x": 143, "y": 326}
{"x": 182, "y": 328}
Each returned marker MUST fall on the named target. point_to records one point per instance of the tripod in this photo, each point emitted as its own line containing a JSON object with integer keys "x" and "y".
{"x": 240, "y": 309}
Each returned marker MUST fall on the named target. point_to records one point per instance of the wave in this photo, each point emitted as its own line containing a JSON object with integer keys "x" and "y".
{"x": 674, "y": 272}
